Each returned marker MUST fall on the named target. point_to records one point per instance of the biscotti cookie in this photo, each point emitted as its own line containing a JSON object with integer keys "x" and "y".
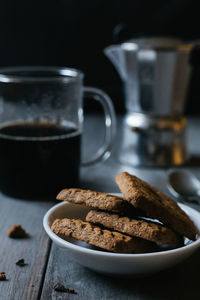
{"x": 102, "y": 238}
{"x": 95, "y": 199}
{"x": 155, "y": 204}
{"x": 135, "y": 227}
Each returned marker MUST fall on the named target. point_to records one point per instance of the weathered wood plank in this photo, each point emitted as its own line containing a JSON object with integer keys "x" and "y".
{"x": 34, "y": 249}
{"x": 102, "y": 176}
{"x": 180, "y": 282}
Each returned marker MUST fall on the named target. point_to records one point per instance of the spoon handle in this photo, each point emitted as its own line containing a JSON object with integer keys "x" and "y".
{"x": 193, "y": 200}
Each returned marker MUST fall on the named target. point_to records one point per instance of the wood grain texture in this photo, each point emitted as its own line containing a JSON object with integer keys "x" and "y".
{"x": 33, "y": 249}
{"x": 180, "y": 282}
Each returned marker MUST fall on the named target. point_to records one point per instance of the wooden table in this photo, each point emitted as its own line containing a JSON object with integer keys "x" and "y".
{"x": 47, "y": 264}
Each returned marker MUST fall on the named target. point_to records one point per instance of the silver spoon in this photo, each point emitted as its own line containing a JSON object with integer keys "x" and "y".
{"x": 184, "y": 186}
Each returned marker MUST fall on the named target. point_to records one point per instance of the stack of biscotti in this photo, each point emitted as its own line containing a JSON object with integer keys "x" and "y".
{"x": 117, "y": 224}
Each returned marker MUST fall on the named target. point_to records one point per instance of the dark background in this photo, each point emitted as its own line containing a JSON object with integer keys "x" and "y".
{"x": 74, "y": 33}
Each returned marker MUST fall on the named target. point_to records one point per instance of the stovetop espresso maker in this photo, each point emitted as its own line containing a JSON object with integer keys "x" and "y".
{"x": 155, "y": 73}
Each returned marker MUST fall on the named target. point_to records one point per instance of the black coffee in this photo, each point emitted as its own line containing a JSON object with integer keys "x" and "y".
{"x": 38, "y": 159}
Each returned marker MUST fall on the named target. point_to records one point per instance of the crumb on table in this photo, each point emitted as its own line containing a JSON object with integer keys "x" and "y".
{"x": 17, "y": 231}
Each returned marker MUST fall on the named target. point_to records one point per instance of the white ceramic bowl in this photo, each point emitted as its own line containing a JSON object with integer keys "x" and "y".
{"x": 112, "y": 263}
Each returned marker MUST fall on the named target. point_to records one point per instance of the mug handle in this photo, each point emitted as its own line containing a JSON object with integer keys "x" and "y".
{"x": 110, "y": 124}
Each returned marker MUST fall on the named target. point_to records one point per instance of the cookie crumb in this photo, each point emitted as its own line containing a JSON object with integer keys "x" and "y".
{"x": 17, "y": 231}
{"x": 21, "y": 263}
{"x": 31, "y": 285}
{"x": 60, "y": 288}
{"x": 71, "y": 290}
{"x": 3, "y": 276}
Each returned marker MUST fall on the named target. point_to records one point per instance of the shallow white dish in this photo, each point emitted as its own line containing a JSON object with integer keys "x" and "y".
{"x": 112, "y": 263}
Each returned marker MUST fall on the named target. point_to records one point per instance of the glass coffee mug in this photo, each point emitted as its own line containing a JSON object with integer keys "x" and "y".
{"x": 41, "y": 124}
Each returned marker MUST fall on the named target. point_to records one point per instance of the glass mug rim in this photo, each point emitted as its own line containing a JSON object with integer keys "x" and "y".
{"x": 56, "y": 74}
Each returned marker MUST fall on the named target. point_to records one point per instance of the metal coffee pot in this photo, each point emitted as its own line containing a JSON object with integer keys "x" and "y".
{"x": 155, "y": 73}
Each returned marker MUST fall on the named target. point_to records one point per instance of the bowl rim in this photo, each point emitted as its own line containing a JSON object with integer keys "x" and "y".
{"x": 190, "y": 247}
